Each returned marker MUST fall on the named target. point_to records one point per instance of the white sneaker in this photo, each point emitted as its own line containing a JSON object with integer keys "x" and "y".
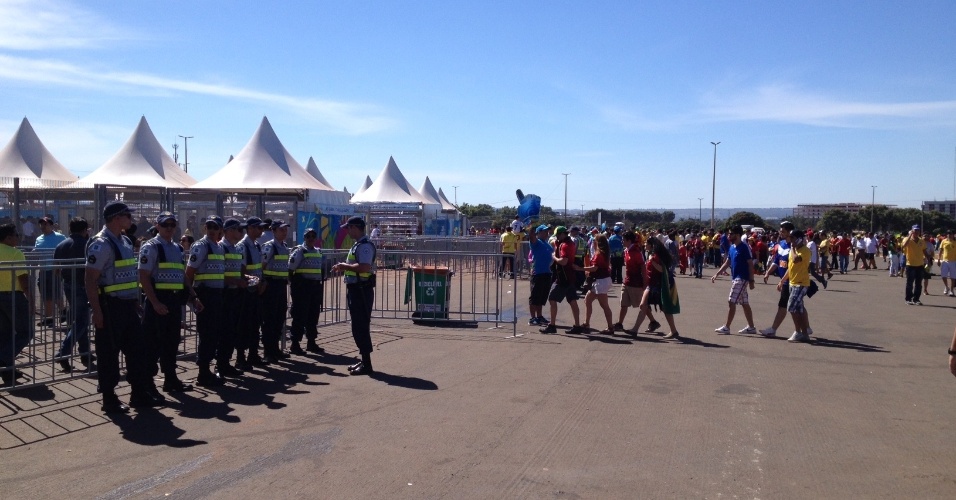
{"x": 722, "y": 330}
{"x": 768, "y": 332}
{"x": 799, "y": 337}
{"x": 748, "y": 329}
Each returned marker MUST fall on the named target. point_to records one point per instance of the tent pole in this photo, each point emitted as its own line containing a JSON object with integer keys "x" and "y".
{"x": 16, "y": 204}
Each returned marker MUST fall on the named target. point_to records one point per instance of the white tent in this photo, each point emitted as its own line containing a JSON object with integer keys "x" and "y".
{"x": 428, "y": 190}
{"x": 365, "y": 185}
{"x": 141, "y": 162}
{"x": 262, "y": 164}
{"x": 390, "y": 187}
{"x": 26, "y": 157}
{"x": 313, "y": 170}
{"x": 446, "y": 205}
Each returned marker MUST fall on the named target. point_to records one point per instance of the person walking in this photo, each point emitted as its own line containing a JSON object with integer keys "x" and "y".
{"x": 162, "y": 278}
{"x": 74, "y": 287}
{"x": 564, "y": 285}
{"x": 946, "y": 260}
{"x": 798, "y": 277}
{"x": 780, "y": 260}
{"x": 741, "y": 263}
{"x": 616, "y": 244}
{"x": 359, "y": 276}
{"x": 657, "y": 267}
{"x": 635, "y": 282}
{"x": 46, "y": 279}
{"x": 111, "y": 287}
{"x": 600, "y": 271}
{"x": 307, "y": 287}
{"x": 509, "y": 247}
{"x": 914, "y": 249}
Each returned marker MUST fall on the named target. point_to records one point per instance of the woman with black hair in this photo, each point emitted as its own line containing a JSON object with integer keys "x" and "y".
{"x": 600, "y": 270}
{"x": 658, "y": 262}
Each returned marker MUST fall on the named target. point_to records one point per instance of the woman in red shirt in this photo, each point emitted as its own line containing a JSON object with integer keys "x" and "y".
{"x": 659, "y": 259}
{"x": 600, "y": 270}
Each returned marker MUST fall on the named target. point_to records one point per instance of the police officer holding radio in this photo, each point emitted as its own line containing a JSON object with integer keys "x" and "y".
{"x": 111, "y": 286}
{"x": 275, "y": 271}
{"x": 250, "y": 310}
{"x": 161, "y": 277}
{"x": 205, "y": 280}
{"x": 305, "y": 272}
{"x": 359, "y": 271}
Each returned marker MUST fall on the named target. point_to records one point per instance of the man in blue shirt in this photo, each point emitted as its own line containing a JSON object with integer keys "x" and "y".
{"x": 616, "y": 245}
{"x": 541, "y": 253}
{"x": 741, "y": 264}
{"x": 47, "y": 241}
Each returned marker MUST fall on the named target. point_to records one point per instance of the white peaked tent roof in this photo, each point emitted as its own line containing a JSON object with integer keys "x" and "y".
{"x": 141, "y": 162}
{"x": 390, "y": 187}
{"x": 313, "y": 169}
{"x": 263, "y": 163}
{"x": 428, "y": 192}
{"x": 26, "y": 157}
{"x": 445, "y": 204}
{"x": 365, "y": 185}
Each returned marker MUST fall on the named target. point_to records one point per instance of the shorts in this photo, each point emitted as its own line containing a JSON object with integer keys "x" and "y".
{"x": 47, "y": 283}
{"x": 540, "y": 285}
{"x": 601, "y": 286}
{"x": 561, "y": 292}
{"x": 948, "y": 269}
{"x": 631, "y": 296}
{"x": 738, "y": 292}
{"x": 869, "y": 256}
{"x": 784, "y": 295}
{"x": 654, "y": 298}
{"x": 795, "y": 303}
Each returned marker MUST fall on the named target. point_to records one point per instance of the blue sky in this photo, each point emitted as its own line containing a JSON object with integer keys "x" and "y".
{"x": 812, "y": 102}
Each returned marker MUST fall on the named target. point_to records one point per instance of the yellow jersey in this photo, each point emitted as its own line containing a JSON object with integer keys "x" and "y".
{"x": 10, "y": 257}
{"x": 915, "y": 251}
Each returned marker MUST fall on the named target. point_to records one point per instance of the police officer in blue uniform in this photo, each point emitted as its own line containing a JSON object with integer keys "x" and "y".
{"x": 275, "y": 302}
{"x": 161, "y": 277}
{"x": 250, "y": 311}
{"x": 205, "y": 280}
{"x": 305, "y": 272}
{"x": 359, "y": 272}
{"x": 235, "y": 283}
{"x": 111, "y": 286}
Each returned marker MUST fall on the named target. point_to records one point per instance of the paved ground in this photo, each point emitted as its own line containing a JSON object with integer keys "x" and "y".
{"x": 865, "y": 412}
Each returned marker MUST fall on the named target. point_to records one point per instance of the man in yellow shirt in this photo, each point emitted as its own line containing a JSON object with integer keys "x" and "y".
{"x": 946, "y": 260}
{"x": 509, "y": 247}
{"x": 798, "y": 275}
{"x": 16, "y": 306}
{"x": 914, "y": 248}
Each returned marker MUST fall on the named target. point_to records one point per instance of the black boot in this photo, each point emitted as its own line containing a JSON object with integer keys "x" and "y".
{"x": 112, "y": 404}
{"x": 208, "y": 378}
{"x": 311, "y": 346}
{"x": 364, "y": 367}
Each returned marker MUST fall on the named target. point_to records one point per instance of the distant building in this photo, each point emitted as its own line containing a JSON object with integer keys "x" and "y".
{"x": 816, "y": 211}
{"x": 946, "y": 207}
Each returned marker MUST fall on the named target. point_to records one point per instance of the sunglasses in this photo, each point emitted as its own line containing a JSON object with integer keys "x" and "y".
{"x": 168, "y": 225}
{"x": 212, "y": 225}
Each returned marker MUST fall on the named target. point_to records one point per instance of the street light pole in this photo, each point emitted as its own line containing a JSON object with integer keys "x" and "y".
{"x": 456, "y": 195}
{"x": 872, "y": 206}
{"x": 565, "y": 197}
{"x": 713, "y": 187}
{"x": 700, "y": 209}
{"x": 186, "y": 152}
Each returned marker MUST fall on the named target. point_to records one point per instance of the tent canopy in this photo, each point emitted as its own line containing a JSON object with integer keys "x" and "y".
{"x": 445, "y": 204}
{"x": 26, "y": 157}
{"x": 263, "y": 163}
{"x": 141, "y": 162}
{"x": 313, "y": 170}
{"x": 365, "y": 185}
{"x": 390, "y": 187}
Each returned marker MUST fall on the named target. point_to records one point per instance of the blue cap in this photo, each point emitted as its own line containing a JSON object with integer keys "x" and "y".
{"x": 277, "y": 223}
{"x": 542, "y": 227}
{"x": 215, "y": 219}
{"x": 165, "y": 216}
{"x": 916, "y": 227}
{"x": 232, "y": 224}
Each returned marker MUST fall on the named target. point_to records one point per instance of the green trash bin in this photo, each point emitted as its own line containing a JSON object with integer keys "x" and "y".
{"x": 432, "y": 285}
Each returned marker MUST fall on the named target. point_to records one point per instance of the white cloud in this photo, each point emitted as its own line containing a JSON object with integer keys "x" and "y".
{"x": 53, "y": 24}
{"x": 351, "y": 118}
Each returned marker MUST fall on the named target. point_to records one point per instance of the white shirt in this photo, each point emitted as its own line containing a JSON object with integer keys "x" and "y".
{"x": 814, "y": 256}
{"x": 516, "y": 226}
{"x": 870, "y": 244}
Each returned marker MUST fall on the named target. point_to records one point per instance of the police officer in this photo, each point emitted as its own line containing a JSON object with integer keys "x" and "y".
{"x": 231, "y": 297}
{"x": 250, "y": 311}
{"x": 161, "y": 277}
{"x": 305, "y": 272}
{"x": 205, "y": 280}
{"x": 275, "y": 272}
{"x": 359, "y": 271}
{"x": 111, "y": 286}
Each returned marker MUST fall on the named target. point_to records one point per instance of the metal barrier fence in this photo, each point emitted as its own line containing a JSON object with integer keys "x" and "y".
{"x": 429, "y": 286}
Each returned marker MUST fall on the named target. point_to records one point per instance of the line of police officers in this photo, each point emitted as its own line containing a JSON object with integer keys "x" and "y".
{"x": 236, "y": 286}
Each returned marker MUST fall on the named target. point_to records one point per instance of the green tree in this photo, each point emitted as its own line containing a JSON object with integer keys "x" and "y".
{"x": 744, "y": 219}
{"x": 836, "y": 220}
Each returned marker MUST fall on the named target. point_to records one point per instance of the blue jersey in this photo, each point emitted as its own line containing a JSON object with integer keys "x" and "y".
{"x": 740, "y": 256}
{"x": 616, "y": 245}
{"x": 541, "y": 252}
{"x": 781, "y": 256}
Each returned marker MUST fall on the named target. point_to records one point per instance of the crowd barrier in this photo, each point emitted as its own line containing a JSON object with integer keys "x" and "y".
{"x": 475, "y": 293}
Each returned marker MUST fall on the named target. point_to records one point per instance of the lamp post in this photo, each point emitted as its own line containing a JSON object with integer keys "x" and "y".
{"x": 456, "y": 195}
{"x": 713, "y": 186}
{"x": 872, "y": 207}
{"x": 565, "y": 197}
{"x": 186, "y": 151}
{"x": 700, "y": 209}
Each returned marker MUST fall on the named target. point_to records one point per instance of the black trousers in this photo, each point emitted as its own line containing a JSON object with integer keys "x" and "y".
{"x": 274, "y": 308}
{"x": 617, "y": 269}
{"x": 122, "y": 332}
{"x": 249, "y": 321}
{"x": 209, "y": 323}
{"x": 15, "y": 331}
{"x": 306, "y": 307}
{"x": 229, "y": 333}
{"x": 914, "y": 282}
{"x": 164, "y": 333}
{"x": 360, "y": 300}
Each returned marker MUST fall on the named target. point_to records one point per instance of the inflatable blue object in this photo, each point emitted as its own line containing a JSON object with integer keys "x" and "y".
{"x": 529, "y": 207}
